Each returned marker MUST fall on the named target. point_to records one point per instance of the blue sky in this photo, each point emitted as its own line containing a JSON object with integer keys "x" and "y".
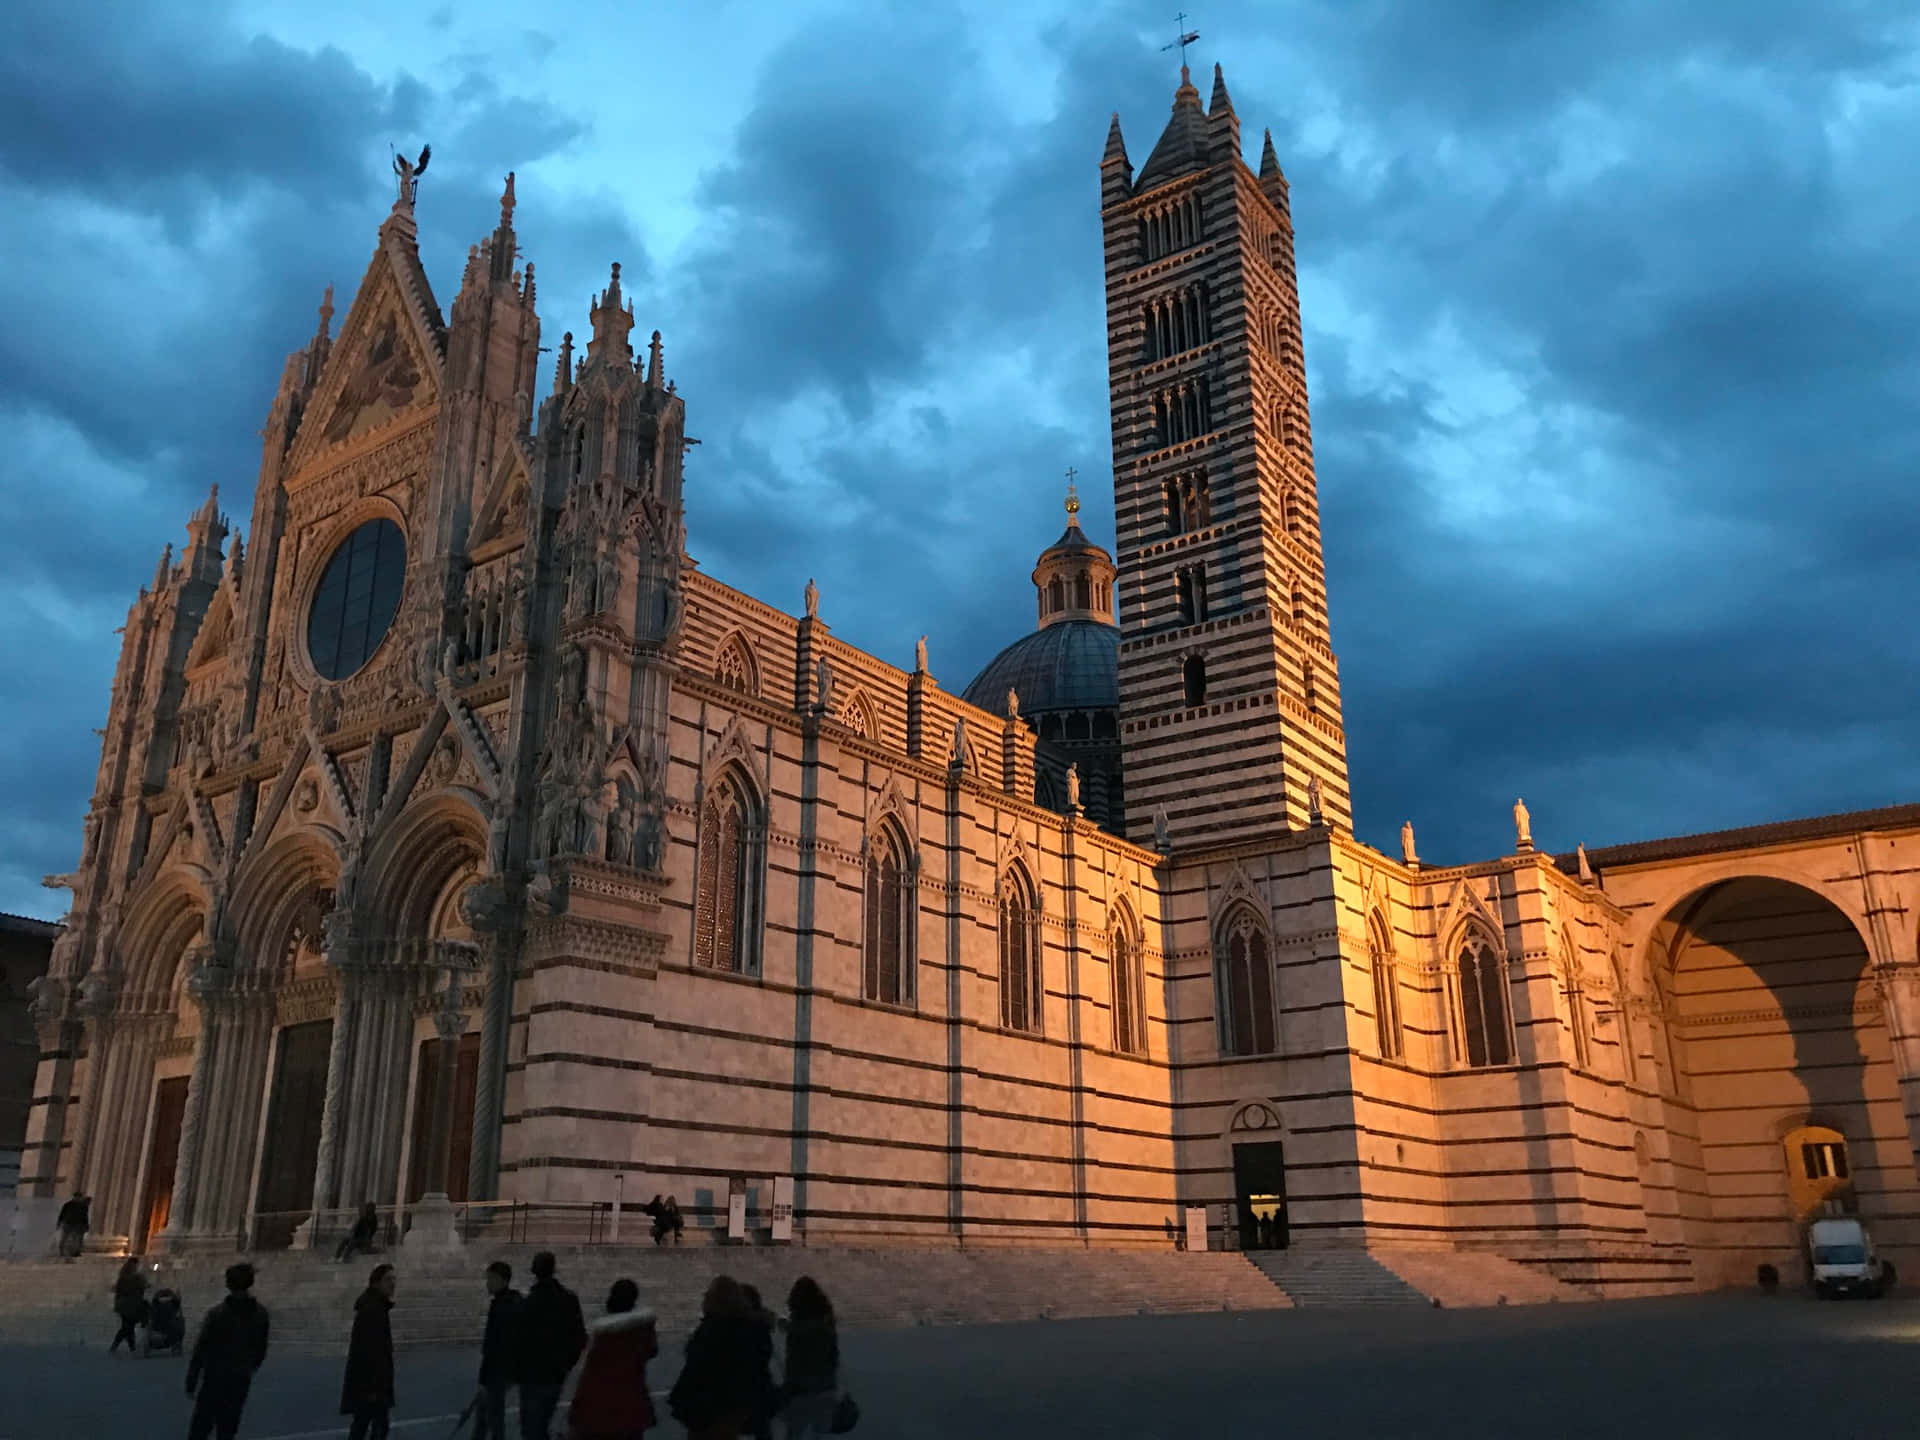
{"x": 1610, "y": 321}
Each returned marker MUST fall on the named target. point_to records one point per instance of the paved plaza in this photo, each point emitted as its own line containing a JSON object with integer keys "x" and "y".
{"x": 1731, "y": 1365}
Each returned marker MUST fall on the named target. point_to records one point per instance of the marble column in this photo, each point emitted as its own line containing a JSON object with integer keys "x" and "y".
{"x": 124, "y": 1148}
{"x": 236, "y": 1106}
{"x": 205, "y": 986}
{"x": 346, "y": 1015}
{"x": 434, "y": 1225}
{"x": 490, "y": 1083}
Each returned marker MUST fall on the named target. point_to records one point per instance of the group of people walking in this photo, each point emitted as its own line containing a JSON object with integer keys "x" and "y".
{"x": 725, "y": 1390}
{"x": 532, "y": 1342}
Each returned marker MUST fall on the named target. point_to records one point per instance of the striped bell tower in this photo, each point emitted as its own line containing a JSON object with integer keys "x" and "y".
{"x": 1229, "y": 692}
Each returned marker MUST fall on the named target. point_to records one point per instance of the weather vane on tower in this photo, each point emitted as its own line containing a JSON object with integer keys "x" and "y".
{"x": 1187, "y": 37}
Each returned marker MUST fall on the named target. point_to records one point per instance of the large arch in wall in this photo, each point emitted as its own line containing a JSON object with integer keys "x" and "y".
{"x": 274, "y": 891}
{"x": 1770, "y": 1026}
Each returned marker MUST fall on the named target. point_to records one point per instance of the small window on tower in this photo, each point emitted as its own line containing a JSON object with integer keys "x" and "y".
{"x": 1195, "y": 675}
{"x": 1183, "y": 595}
{"x": 1083, "y": 593}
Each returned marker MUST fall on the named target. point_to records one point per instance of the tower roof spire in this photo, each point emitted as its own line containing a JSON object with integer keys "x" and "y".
{"x": 1221, "y": 103}
{"x": 1116, "y": 143}
{"x": 612, "y": 322}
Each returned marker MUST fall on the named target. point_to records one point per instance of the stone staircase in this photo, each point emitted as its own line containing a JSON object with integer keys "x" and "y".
{"x": 1326, "y": 1278}
{"x": 442, "y": 1300}
{"x": 1463, "y": 1279}
{"x": 1387, "y": 1275}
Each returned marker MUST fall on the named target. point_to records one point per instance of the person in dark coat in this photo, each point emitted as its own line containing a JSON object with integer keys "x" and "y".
{"x": 73, "y": 1222}
{"x": 231, "y": 1346}
{"x": 130, "y": 1304}
{"x": 719, "y": 1391}
{"x": 359, "y": 1240}
{"x": 551, "y": 1333}
{"x": 762, "y": 1422}
{"x": 498, "y": 1358}
{"x": 367, "y": 1391}
{"x": 611, "y": 1401}
{"x": 811, "y": 1387}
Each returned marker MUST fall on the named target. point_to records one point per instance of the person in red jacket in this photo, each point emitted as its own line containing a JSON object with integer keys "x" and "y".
{"x": 611, "y": 1401}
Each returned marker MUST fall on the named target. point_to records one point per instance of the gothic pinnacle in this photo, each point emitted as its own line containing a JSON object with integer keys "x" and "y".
{"x": 1116, "y": 144}
{"x": 164, "y": 569}
{"x": 1221, "y": 103}
{"x": 563, "y": 367}
{"x": 326, "y": 317}
{"x": 506, "y": 204}
{"x": 654, "y": 366}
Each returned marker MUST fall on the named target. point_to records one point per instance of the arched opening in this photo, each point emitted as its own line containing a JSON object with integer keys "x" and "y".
{"x": 1777, "y": 1074}
{"x": 890, "y": 919}
{"x": 1194, "y": 677}
{"x": 726, "y": 931}
{"x": 1243, "y": 960}
{"x": 1386, "y": 988}
{"x": 1020, "y": 970}
{"x": 1129, "y": 994}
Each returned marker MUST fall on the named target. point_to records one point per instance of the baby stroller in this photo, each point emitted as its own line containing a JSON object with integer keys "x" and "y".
{"x": 166, "y": 1323}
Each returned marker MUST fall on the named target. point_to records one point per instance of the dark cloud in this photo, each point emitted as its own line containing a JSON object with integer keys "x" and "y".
{"x": 1609, "y": 311}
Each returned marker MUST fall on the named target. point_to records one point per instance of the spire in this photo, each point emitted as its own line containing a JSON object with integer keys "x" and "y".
{"x": 1184, "y": 145}
{"x": 505, "y": 247}
{"x": 1116, "y": 143}
{"x": 1116, "y": 170}
{"x": 1273, "y": 184}
{"x": 654, "y": 366}
{"x": 236, "y": 558}
{"x": 526, "y": 290}
{"x": 1073, "y": 503}
{"x": 164, "y": 569}
{"x": 205, "y": 531}
{"x": 322, "y": 340}
{"x": 1221, "y": 103}
{"x": 563, "y": 367}
{"x": 612, "y": 323}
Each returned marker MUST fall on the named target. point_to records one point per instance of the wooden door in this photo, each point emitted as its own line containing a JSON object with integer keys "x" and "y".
{"x": 292, "y": 1151}
{"x": 466, "y": 1079}
{"x": 163, "y": 1153}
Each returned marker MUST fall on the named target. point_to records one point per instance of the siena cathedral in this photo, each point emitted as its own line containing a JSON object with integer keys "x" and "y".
{"x": 458, "y": 839}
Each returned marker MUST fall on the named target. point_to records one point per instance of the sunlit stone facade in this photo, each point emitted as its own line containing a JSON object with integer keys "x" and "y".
{"x": 458, "y": 837}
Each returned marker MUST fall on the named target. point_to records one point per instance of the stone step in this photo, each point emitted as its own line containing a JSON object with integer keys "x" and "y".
{"x": 1334, "y": 1278}
{"x": 442, "y": 1300}
{"x": 1462, "y": 1279}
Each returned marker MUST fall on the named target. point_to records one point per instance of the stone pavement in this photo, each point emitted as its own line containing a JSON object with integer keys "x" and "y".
{"x": 1693, "y": 1367}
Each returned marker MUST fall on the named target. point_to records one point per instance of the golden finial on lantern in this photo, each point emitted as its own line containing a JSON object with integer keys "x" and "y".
{"x": 1073, "y": 499}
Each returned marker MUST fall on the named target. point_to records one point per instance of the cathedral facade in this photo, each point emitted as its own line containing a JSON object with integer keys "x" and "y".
{"x": 459, "y": 840}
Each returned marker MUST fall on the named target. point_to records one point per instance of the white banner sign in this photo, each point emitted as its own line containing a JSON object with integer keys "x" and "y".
{"x": 1196, "y": 1227}
{"x": 737, "y": 1215}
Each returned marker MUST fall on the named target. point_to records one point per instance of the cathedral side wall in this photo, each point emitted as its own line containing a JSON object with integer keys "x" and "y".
{"x": 925, "y": 1119}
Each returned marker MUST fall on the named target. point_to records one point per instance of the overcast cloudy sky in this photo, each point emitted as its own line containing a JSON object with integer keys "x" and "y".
{"x": 1610, "y": 314}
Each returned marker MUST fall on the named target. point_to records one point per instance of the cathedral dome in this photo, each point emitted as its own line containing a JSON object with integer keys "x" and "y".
{"x": 1072, "y": 665}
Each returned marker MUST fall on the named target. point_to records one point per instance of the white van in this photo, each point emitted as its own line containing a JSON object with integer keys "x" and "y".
{"x": 1844, "y": 1261}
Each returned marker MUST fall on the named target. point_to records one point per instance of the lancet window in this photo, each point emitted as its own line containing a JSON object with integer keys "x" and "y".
{"x": 726, "y": 891}
{"x": 1020, "y": 970}
{"x": 890, "y": 920}
{"x": 1129, "y": 993}
{"x": 1386, "y": 988}
{"x": 1486, "y": 1018}
{"x": 1243, "y": 985}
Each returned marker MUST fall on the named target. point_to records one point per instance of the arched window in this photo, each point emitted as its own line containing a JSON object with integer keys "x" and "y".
{"x": 1386, "y": 988}
{"x": 1020, "y": 973}
{"x": 890, "y": 920}
{"x": 1083, "y": 592}
{"x": 726, "y": 919}
{"x": 1056, "y": 596}
{"x": 1244, "y": 986}
{"x": 1623, "y": 1022}
{"x": 1576, "y": 1005}
{"x": 735, "y": 668}
{"x": 1129, "y": 1009}
{"x": 1486, "y": 1027}
{"x": 1194, "y": 672}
